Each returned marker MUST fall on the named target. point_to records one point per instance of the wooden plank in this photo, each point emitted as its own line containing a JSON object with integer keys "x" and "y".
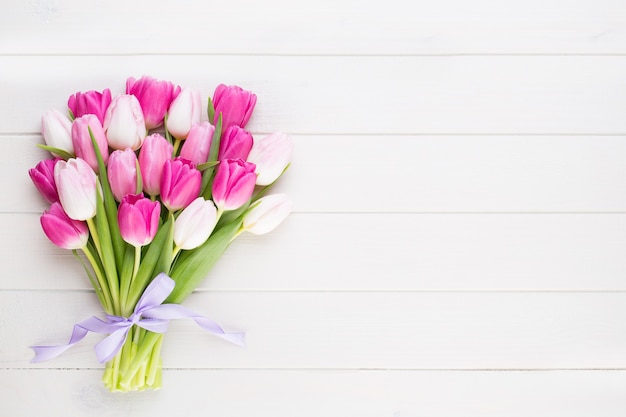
{"x": 374, "y": 252}
{"x": 322, "y": 27}
{"x": 314, "y": 393}
{"x": 365, "y": 95}
{"x": 372, "y": 174}
{"x": 349, "y": 330}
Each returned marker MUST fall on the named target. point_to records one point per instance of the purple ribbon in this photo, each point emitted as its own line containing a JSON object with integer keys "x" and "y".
{"x": 150, "y": 314}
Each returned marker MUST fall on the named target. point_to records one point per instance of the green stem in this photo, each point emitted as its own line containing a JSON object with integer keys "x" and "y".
{"x": 147, "y": 345}
{"x": 101, "y": 280}
{"x": 177, "y": 143}
{"x": 94, "y": 235}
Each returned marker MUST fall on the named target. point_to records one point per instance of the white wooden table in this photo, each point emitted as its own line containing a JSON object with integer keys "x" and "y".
{"x": 458, "y": 242}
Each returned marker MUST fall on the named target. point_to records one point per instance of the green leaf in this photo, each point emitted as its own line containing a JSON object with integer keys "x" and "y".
{"x": 207, "y": 165}
{"x": 211, "y": 110}
{"x": 107, "y": 253}
{"x": 194, "y": 265}
{"x": 207, "y": 175}
{"x": 119, "y": 246}
{"x": 59, "y": 152}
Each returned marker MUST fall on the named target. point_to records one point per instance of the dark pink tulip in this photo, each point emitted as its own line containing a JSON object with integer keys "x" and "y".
{"x": 235, "y": 144}
{"x": 138, "y": 218}
{"x": 122, "y": 173}
{"x": 155, "y": 97}
{"x": 82, "y": 140}
{"x": 152, "y": 156}
{"x": 198, "y": 144}
{"x": 180, "y": 183}
{"x": 235, "y": 104}
{"x": 43, "y": 178}
{"x": 63, "y": 231}
{"x": 233, "y": 183}
{"x": 90, "y": 102}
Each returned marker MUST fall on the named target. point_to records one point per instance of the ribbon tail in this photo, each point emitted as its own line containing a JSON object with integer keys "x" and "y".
{"x": 110, "y": 345}
{"x": 44, "y": 353}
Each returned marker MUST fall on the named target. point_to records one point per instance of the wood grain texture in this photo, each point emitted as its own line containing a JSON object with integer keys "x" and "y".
{"x": 456, "y": 246}
{"x": 352, "y": 330}
{"x": 322, "y": 27}
{"x": 310, "y": 393}
{"x": 363, "y": 95}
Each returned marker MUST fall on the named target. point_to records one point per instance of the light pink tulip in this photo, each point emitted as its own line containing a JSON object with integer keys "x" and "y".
{"x": 82, "y": 140}
{"x": 198, "y": 144}
{"x": 184, "y": 112}
{"x": 235, "y": 104}
{"x": 43, "y": 178}
{"x": 267, "y": 213}
{"x": 138, "y": 218}
{"x": 233, "y": 184}
{"x": 155, "y": 97}
{"x": 122, "y": 173}
{"x": 124, "y": 123}
{"x": 180, "y": 183}
{"x": 235, "y": 144}
{"x": 76, "y": 184}
{"x": 271, "y": 155}
{"x": 56, "y": 129}
{"x": 194, "y": 224}
{"x": 62, "y": 230}
{"x": 90, "y": 102}
{"x": 152, "y": 156}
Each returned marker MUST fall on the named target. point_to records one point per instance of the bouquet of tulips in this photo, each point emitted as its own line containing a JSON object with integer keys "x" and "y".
{"x": 148, "y": 194}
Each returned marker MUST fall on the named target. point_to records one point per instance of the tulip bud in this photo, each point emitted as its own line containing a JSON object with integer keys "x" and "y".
{"x": 198, "y": 144}
{"x": 43, "y": 178}
{"x": 233, "y": 184}
{"x": 90, "y": 102}
{"x": 56, "y": 129}
{"x": 155, "y": 97}
{"x": 184, "y": 112}
{"x": 76, "y": 184}
{"x": 62, "y": 230}
{"x": 194, "y": 224}
{"x": 267, "y": 213}
{"x": 235, "y": 104}
{"x": 235, "y": 144}
{"x": 124, "y": 124}
{"x": 152, "y": 156}
{"x": 271, "y": 155}
{"x": 138, "y": 218}
{"x": 81, "y": 140}
{"x": 180, "y": 183}
{"x": 122, "y": 173}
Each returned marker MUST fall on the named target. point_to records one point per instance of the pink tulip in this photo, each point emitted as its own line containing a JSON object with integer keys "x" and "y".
{"x": 138, "y": 218}
{"x": 152, "y": 156}
{"x": 56, "y": 129}
{"x": 124, "y": 123}
{"x": 43, "y": 178}
{"x": 76, "y": 184}
{"x": 267, "y": 213}
{"x": 82, "y": 140}
{"x": 233, "y": 183}
{"x": 180, "y": 183}
{"x": 271, "y": 155}
{"x": 194, "y": 224}
{"x": 90, "y": 102}
{"x": 198, "y": 144}
{"x": 122, "y": 173}
{"x": 62, "y": 230}
{"x": 235, "y": 144}
{"x": 235, "y": 104}
{"x": 184, "y": 112}
{"x": 155, "y": 97}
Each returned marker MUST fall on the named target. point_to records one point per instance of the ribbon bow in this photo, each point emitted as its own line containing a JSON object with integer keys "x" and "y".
{"x": 150, "y": 313}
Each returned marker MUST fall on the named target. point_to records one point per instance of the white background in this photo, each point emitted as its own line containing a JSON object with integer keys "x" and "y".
{"x": 458, "y": 241}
